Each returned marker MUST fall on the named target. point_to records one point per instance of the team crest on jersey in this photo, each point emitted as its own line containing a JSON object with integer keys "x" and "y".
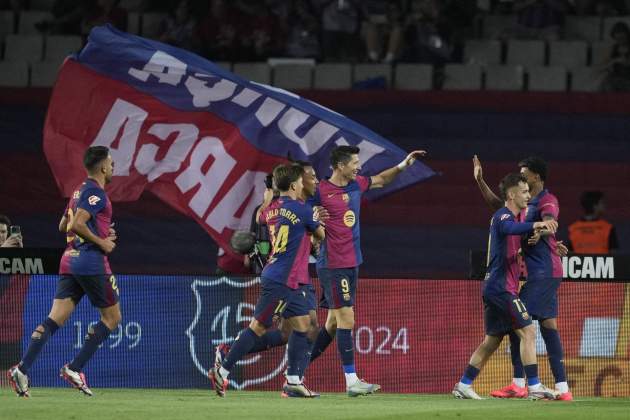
{"x": 76, "y": 195}
{"x": 505, "y": 216}
{"x": 223, "y": 305}
{"x": 93, "y": 199}
{"x": 349, "y": 218}
{"x": 345, "y": 198}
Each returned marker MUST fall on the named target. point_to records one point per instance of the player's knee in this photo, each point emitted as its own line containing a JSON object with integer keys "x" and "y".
{"x": 112, "y": 320}
{"x": 37, "y": 333}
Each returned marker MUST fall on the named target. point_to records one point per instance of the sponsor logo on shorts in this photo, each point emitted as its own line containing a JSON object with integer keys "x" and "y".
{"x": 525, "y": 316}
{"x": 346, "y": 296}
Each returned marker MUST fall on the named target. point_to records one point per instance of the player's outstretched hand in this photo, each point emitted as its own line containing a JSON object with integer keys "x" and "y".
{"x": 107, "y": 245}
{"x": 550, "y": 225}
{"x": 533, "y": 240}
{"x": 112, "y": 233}
{"x": 561, "y": 249}
{"x": 321, "y": 215}
{"x": 477, "y": 171}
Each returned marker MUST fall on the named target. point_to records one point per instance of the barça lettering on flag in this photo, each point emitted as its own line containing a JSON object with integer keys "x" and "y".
{"x": 199, "y": 137}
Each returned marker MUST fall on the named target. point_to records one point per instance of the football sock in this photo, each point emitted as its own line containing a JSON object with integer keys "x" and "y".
{"x": 515, "y": 354}
{"x": 268, "y": 340}
{"x": 37, "y": 344}
{"x": 93, "y": 339}
{"x": 532, "y": 374}
{"x": 298, "y": 346}
{"x": 322, "y": 341}
{"x": 470, "y": 374}
{"x": 554, "y": 352}
{"x": 245, "y": 341}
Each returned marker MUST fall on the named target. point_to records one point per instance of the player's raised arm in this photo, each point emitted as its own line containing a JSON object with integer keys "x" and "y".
{"x": 490, "y": 197}
{"x": 79, "y": 226}
{"x": 388, "y": 175}
{"x": 63, "y": 224}
{"x": 267, "y": 199}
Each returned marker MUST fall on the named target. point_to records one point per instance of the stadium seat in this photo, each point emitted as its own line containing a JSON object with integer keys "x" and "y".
{"x": 43, "y": 5}
{"x": 6, "y": 25}
{"x": 610, "y": 22}
{"x": 27, "y": 48}
{"x": 133, "y": 23}
{"x": 494, "y": 26}
{"x": 44, "y": 73}
{"x": 584, "y": 28}
{"x": 547, "y": 79}
{"x": 413, "y": 77}
{"x": 508, "y": 78}
{"x": 59, "y": 47}
{"x": 363, "y": 72}
{"x": 257, "y": 72}
{"x": 28, "y": 19}
{"x": 462, "y": 77}
{"x": 151, "y": 24}
{"x": 600, "y": 52}
{"x": 333, "y": 76}
{"x": 568, "y": 54}
{"x": 585, "y": 79}
{"x": 526, "y": 53}
{"x": 482, "y": 52}
{"x": 293, "y": 76}
{"x": 13, "y": 73}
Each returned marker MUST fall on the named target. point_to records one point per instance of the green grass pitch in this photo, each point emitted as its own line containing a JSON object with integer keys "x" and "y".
{"x": 153, "y": 404}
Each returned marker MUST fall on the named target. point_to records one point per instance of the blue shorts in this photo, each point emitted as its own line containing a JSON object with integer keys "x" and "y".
{"x": 504, "y": 313}
{"x": 101, "y": 289}
{"x": 302, "y": 302}
{"x": 339, "y": 285}
{"x": 541, "y": 297}
{"x": 311, "y": 296}
{"x": 278, "y": 299}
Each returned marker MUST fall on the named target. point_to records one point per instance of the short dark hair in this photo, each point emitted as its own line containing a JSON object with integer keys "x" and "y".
{"x": 93, "y": 156}
{"x": 589, "y": 199}
{"x": 285, "y": 175}
{"x": 509, "y": 181}
{"x": 4, "y": 220}
{"x": 536, "y": 165}
{"x": 302, "y": 163}
{"x": 342, "y": 154}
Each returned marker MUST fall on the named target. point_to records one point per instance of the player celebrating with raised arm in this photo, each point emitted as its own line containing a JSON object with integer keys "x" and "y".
{"x": 503, "y": 310}
{"x": 340, "y": 253}
{"x": 544, "y": 273}
{"x": 84, "y": 270}
{"x": 288, "y": 221}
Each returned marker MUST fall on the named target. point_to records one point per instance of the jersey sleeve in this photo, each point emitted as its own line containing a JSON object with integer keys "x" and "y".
{"x": 309, "y": 219}
{"x": 315, "y": 200}
{"x": 508, "y": 226}
{"x": 93, "y": 201}
{"x": 548, "y": 206}
{"x": 364, "y": 182}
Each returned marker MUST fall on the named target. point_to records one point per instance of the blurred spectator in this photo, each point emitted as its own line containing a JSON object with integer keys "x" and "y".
{"x": 260, "y": 34}
{"x": 424, "y": 40}
{"x": 217, "y": 34}
{"x": 616, "y": 67}
{"x": 303, "y": 31}
{"x": 178, "y": 27}
{"x": 104, "y": 11}
{"x": 341, "y": 23}
{"x": 9, "y": 239}
{"x": 539, "y": 19}
{"x": 383, "y": 26}
{"x": 67, "y": 17}
{"x": 231, "y": 264}
{"x": 592, "y": 234}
